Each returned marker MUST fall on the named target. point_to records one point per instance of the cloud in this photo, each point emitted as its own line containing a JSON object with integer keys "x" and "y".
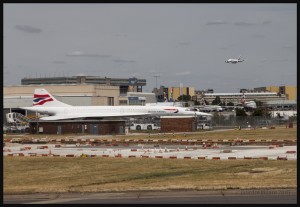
{"x": 58, "y": 62}
{"x": 263, "y": 60}
{"x": 216, "y": 22}
{"x": 28, "y": 29}
{"x": 183, "y": 73}
{"x": 223, "y": 48}
{"x": 82, "y": 54}
{"x": 267, "y": 22}
{"x": 243, "y": 24}
{"x": 287, "y": 46}
{"x": 119, "y": 60}
{"x": 258, "y": 36}
{"x": 184, "y": 43}
{"x": 281, "y": 60}
{"x": 6, "y": 72}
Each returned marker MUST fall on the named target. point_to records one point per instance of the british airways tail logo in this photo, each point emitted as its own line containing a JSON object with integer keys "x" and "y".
{"x": 39, "y": 99}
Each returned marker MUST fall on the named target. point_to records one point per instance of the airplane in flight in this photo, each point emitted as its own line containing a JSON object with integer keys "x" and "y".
{"x": 45, "y": 103}
{"x": 234, "y": 61}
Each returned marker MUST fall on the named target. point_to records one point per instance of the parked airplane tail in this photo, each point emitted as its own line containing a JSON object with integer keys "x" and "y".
{"x": 42, "y": 98}
{"x": 239, "y": 57}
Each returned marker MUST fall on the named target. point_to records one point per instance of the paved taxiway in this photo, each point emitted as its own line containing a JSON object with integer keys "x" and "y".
{"x": 256, "y": 196}
{"x": 163, "y": 151}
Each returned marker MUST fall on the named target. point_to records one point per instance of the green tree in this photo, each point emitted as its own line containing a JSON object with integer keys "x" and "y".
{"x": 258, "y": 103}
{"x": 184, "y": 98}
{"x": 217, "y": 101}
{"x": 261, "y": 112}
{"x": 240, "y": 112}
{"x": 230, "y": 104}
{"x": 218, "y": 119}
{"x": 196, "y": 103}
{"x": 223, "y": 103}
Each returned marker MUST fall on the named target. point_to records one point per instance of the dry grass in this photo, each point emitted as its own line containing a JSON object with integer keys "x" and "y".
{"x": 45, "y": 174}
{"x": 279, "y": 133}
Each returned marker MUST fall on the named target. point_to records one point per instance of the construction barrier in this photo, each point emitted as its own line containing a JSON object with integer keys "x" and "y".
{"x": 201, "y": 158}
{"x": 281, "y": 158}
{"x": 70, "y": 155}
{"x": 173, "y": 157}
{"x": 131, "y": 156}
{"x": 263, "y": 158}
{"x": 231, "y": 158}
{"x": 187, "y": 158}
{"x": 291, "y": 152}
{"x": 133, "y": 150}
{"x": 215, "y": 158}
{"x": 145, "y": 156}
{"x": 105, "y": 155}
{"x": 247, "y": 158}
{"x": 158, "y": 156}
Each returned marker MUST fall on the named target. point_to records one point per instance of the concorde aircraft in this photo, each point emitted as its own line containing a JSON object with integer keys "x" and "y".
{"x": 45, "y": 103}
{"x": 234, "y": 61}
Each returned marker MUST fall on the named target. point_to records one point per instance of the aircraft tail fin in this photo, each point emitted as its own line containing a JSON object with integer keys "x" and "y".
{"x": 42, "y": 98}
{"x": 239, "y": 57}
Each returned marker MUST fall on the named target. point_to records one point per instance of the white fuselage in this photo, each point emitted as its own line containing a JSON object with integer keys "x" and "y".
{"x": 105, "y": 111}
{"x": 45, "y": 103}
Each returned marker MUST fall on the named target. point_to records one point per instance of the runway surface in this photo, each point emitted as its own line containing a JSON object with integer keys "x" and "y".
{"x": 256, "y": 196}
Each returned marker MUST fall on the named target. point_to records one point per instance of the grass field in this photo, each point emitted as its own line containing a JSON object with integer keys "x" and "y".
{"x": 53, "y": 174}
{"x": 44, "y": 174}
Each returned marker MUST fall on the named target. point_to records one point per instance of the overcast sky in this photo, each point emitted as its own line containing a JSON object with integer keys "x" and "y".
{"x": 180, "y": 43}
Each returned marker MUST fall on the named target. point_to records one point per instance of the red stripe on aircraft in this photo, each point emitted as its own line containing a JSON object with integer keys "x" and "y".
{"x": 41, "y": 96}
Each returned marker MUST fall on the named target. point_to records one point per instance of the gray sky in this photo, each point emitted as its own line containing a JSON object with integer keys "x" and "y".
{"x": 182, "y": 43}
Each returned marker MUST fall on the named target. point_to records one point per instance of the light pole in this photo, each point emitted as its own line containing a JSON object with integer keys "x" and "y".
{"x": 156, "y": 76}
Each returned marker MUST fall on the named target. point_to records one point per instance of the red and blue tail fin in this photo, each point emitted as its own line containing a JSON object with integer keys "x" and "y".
{"x": 42, "y": 97}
